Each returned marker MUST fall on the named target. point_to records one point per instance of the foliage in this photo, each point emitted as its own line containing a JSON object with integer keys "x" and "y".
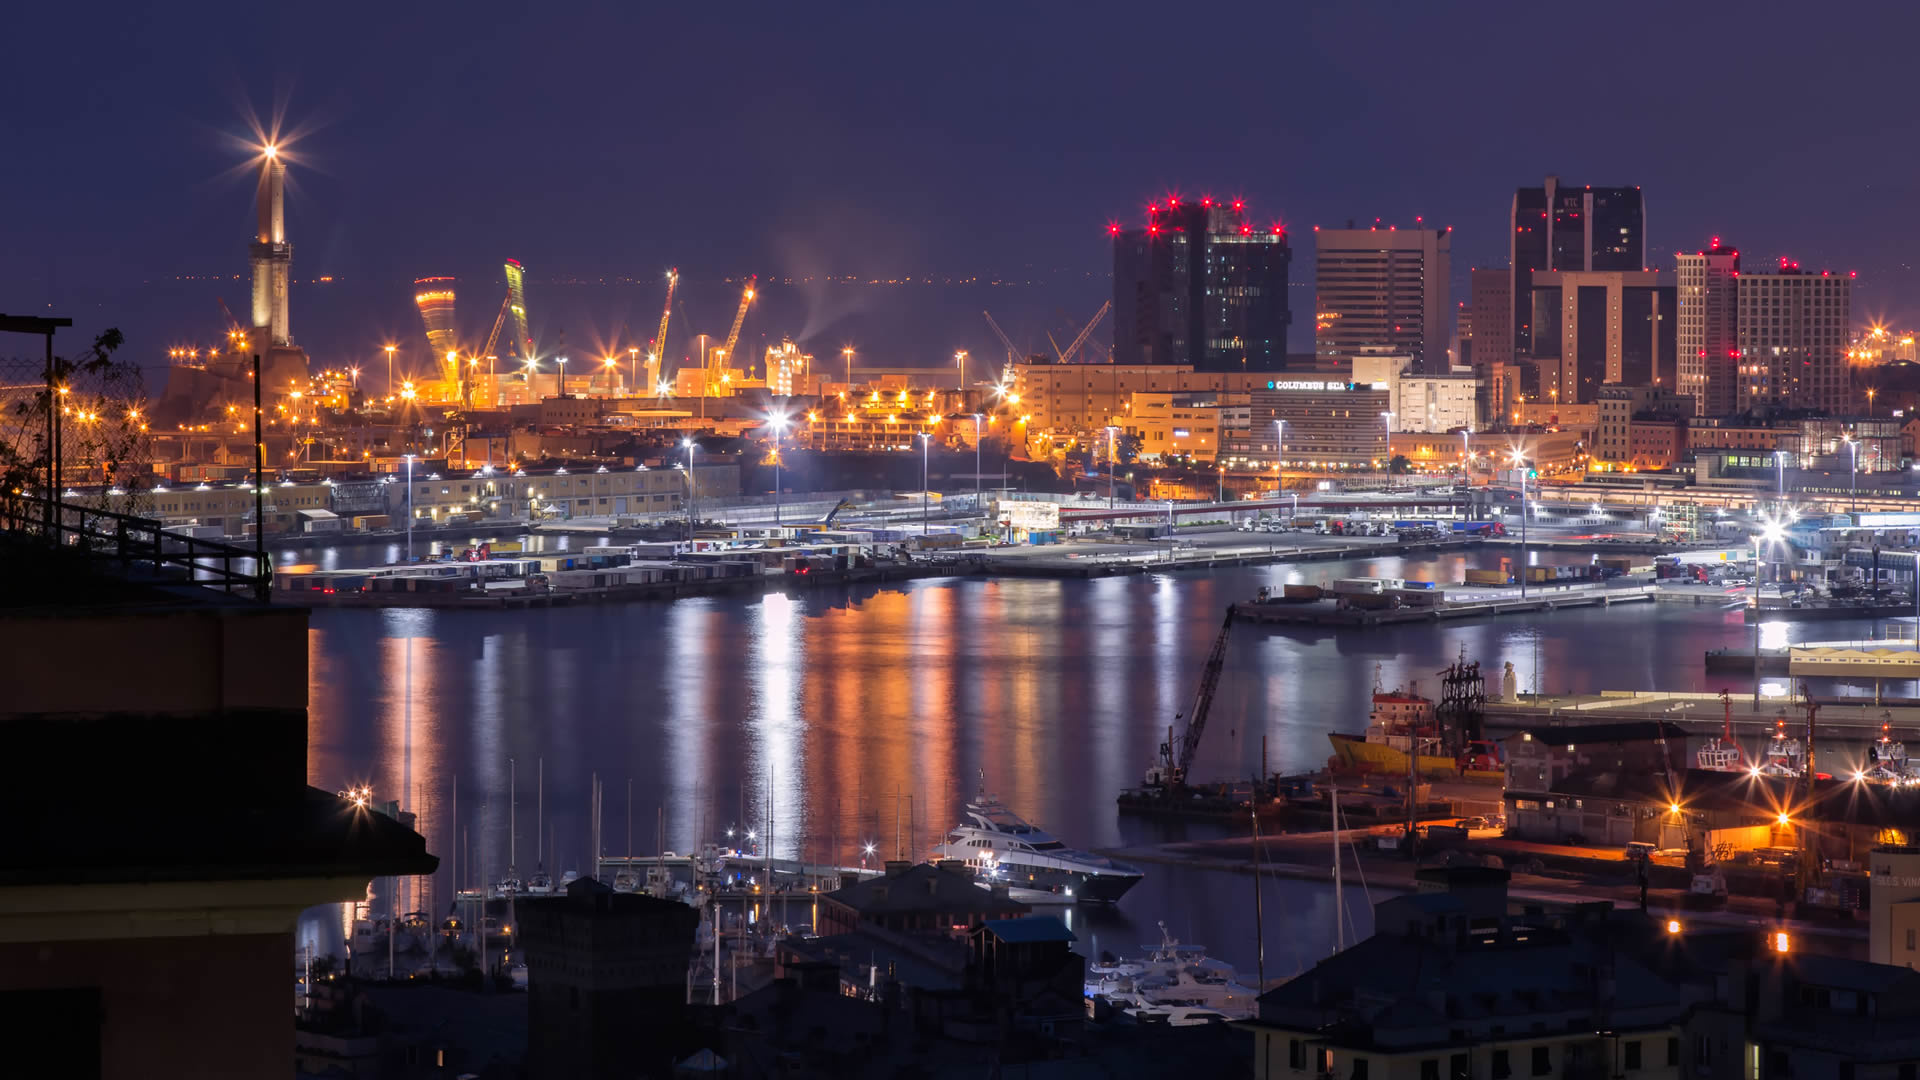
{"x": 102, "y": 433}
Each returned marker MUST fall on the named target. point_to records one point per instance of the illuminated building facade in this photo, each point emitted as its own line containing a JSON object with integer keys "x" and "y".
{"x": 1592, "y": 328}
{"x": 787, "y": 368}
{"x": 1329, "y": 424}
{"x": 1562, "y": 227}
{"x": 1382, "y": 291}
{"x": 434, "y": 297}
{"x": 1200, "y": 283}
{"x": 1707, "y": 338}
{"x": 1793, "y": 335}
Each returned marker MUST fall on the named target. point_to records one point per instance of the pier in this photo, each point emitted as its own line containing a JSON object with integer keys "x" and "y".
{"x": 1320, "y": 613}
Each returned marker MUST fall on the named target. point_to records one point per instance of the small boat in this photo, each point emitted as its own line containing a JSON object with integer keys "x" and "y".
{"x": 1003, "y": 848}
{"x": 1173, "y": 975}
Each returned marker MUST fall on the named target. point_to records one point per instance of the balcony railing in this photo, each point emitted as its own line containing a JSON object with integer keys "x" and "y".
{"x": 138, "y": 546}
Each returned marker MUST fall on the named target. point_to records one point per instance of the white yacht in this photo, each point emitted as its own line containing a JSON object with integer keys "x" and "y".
{"x": 1173, "y": 976}
{"x": 1002, "y": 847}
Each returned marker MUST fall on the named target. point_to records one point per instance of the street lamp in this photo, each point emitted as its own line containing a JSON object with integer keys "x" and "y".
{"x": 847, "y": 351}
{"x": 1220, "y": 486}
{"x": 1110, "y": 460}
{"x": 610, "y": 361}
{"x": 976, "y": 462}
{"x": 633, "y": 368}
{"x": 1853, "y": 493}
{"x": 1386, "y": 422}
{"x": 390, "y": 349}
{"x": 1519, "y": 462}
{"x": 926, "y": 452}
{"x": 691, "y": 491}
{"x": 1279, "y": 447}
{"x": 561, "y": 390}
{"x": 409, "y": 458}
{"x": 779, "y": 425}
{"x": 960, "y": 360}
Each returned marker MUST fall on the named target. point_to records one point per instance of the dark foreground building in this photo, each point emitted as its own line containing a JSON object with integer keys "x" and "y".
{"x": 161, "y": 837}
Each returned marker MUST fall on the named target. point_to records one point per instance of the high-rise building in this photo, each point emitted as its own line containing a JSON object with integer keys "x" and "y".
{"x": 1792, "y": 333}
{"x": 1597, "y": 327}
{"x": 1382, "y": 291}
{"x": 1490, "y": 301}
{"x": 1460, "y": 353}
{"x": 1708, "y": 329}
{"x": 1561, "y": 227}
{"x": 1201, "y": 284}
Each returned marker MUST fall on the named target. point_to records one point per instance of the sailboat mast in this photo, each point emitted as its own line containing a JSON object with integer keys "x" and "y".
{"x": 1339, "y": 900}
{"x": 513, "y": 807}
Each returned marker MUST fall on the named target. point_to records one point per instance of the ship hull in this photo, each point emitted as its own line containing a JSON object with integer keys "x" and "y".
{"x": 1355, "y": 752}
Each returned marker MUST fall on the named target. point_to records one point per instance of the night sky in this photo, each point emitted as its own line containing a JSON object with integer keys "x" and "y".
{"x": 944, "y": 141}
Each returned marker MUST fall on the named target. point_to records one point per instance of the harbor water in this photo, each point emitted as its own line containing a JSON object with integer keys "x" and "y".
{"x": 835, "y": 718}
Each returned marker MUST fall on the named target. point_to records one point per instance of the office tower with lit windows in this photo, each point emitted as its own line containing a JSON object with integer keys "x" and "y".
{"x": 1490, "y": 304}
{"x": 1602, "y": 327}
{"x": 1382, "y": 291}
{"x": 1792, "y": 335}
{"x": 1560, "y": 227}
{"x": 1201, "y": 283}
{"x": 1708, "y": 332}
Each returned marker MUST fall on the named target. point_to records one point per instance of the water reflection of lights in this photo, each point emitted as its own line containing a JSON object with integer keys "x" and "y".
{"x": 774, "y": 725}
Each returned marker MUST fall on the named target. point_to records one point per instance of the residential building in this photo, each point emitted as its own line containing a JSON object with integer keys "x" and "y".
{"x": 1793, "y": 330}
{"x": 142, "y": 936}
{"x": 606, "y": 981}
{"x": 1452, "y": 985}
{"x": 1201, "y": 284}
{"x": 1561, "y": 227}
{"x": 1490, "y": 310}
{"x": 1736, "y": 433}
{"x": 1436, "y": 403}
{"x": 1656, "y": 442}
{"x": 1706, "y": 337}
{"x": 1329, "y": 424}
{"x": 1383, "y": 290}
{"x": 1619, "y": 407}
{"x": 1592, "y": 328}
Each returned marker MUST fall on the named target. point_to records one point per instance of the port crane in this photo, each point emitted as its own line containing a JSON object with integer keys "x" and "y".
{"x": 733, "y": 336}
{"x": 1169, "y": 775}
{"x": 658, "y": 354}
{"x": 1066, "y": 354}
{"x": 1013, "y": 354}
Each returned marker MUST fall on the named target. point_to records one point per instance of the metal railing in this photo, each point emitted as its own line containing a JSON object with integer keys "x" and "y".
{"x": 137, "y": 546}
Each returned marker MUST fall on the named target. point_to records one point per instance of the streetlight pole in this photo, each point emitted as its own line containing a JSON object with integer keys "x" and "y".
{"x": 1386, "y": 423}
{"x": 960, "y": 360}
{"x": 1853, "y": 492}
{"x": 691, "y": 491}
{"x": 1519, "y": 463}
{"x": 1279, "y": 446}
{"x": 779, "y": 424}
{"x": 409, "y": 458}
{"x": 848, "y": 353}
{"x": 633, "y": 369}
{"x": 926, "y": 452}
{"x": 1110, "y": 464}
{"x": 390, "y": 349}
{"x": 976, "y": 461}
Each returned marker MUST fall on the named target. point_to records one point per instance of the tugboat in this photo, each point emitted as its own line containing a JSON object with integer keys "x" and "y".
{"x": 1783, "y": 753}
{"x": 1402, "y": 720}
{"x": 1721, "y": 753}
{"x": 1888, "y": 756}
{"x": 1003, "y": 848}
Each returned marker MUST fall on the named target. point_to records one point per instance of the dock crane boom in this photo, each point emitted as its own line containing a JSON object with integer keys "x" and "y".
{"x": 1013, "y": 354}
{"x": 658, "y": 354}
{"x": 733, "y": 335}
{"x": 1177, "y": 758}
{"x": 1066, "y": 355}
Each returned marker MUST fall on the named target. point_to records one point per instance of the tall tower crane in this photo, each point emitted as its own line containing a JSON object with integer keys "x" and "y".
{"x": 1066, "y": 355}
{"x": 714, "y": 366}
{"x": 1013, "y": 354}
{"x": 657, "y": 354}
